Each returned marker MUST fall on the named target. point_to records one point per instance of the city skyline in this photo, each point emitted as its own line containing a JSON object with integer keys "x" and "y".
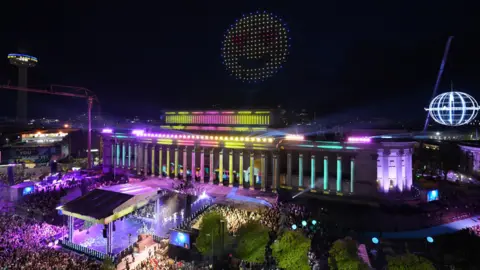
{"x": 371, "y": 60}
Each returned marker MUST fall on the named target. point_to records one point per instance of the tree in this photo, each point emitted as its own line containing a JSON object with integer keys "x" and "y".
{"x": 107, "y": 264}
{"x": 409, "y": 261}
{"x": 344, "y": 255}
{"x": 252, "y": 240}
{"x": 290, "y": 251}
{"x": 450, "y": 156}
{"x": 210, "y": 235}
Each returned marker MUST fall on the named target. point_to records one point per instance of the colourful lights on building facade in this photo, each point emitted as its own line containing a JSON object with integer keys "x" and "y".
{"x": 248, "y": 118}
{"x": 142, "y": 133}
{"x": 359, "y": 140}
{"x": 291, "y": 137}
{"x": 255, "y": 47}
{"x": 265, "y": 162}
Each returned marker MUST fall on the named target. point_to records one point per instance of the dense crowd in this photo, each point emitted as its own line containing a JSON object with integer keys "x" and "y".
{"x": 475, "y": 230}
{"x": 23, "y": 245}
{"x": 157, "y": 259}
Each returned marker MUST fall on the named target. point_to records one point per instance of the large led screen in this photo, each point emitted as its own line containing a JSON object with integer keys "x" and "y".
{"x": 180, "y": 239}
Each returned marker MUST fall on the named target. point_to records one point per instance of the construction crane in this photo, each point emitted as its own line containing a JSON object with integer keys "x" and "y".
{"x": 439, "y": 77}
{"x": 78, "y": 92}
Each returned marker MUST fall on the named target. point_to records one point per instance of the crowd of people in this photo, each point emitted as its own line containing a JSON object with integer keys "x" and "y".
{"x": 157, "y": 259}
{"x": 475, "y": 230}
{"x": 27, "y": 244}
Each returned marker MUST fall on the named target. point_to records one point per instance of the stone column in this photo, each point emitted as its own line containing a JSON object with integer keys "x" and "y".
{"x": 300, "y": 170}
{"x": 263, "y": 172}
{"x": 185, "y": 163}
{"x": 352, "y": 174}
{"x": 212, "y": 170}
{"x": 312, "y": 172}
{"x": 385, "y": 171}
{"x": 194, "y": 167}
{"x": 140, "y": 159}
{"x": 339, "y": 173}
{"x": 145, "y": 160}
{"x": 220, "y": 167}
{"x": 240, "y": 169}
{"x": 135, "y": 158}
{"x": 175, "y": 162}
{"x": 325, "y": 172}
{"x": 202, "y": 165}
{"x": 289, "y": 169}
{"x": 112, "y": 146}
{"x": 124, "y": 152}
{"x": 118, "y": 155}
{"x": 251, "y": 171}
{"x": 71, "y": 222}
{"x": 399, "y": 172}
{"x": 153, "y": 160}
{"x": 167, "y": 167}
{"x": 408, "y": 169}
{"x": 160, "y": 161}
{"x": 276, "y": 172}
{"x": 129, "y": 155}
{"x": 231, "y": 177}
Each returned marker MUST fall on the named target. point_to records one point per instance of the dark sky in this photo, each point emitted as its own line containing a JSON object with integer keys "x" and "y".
{"x": 347, "y": 57}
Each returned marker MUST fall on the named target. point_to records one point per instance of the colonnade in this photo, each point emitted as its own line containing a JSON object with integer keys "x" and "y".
{"x": 144, "y": 158}
{"x": 148, "y": 159}
{"x": 313, "y": 172}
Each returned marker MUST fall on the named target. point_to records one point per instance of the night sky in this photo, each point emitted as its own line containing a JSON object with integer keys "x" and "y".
{"x": 140, "y": 57}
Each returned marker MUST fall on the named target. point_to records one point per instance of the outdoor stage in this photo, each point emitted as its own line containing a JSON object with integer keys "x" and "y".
{"x": 142, "y": 200}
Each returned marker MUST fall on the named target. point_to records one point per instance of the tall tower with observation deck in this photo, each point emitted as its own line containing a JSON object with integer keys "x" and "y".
{"x": 22, "y": 62}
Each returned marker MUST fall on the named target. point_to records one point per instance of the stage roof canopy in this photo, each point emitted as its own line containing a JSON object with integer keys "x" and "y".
{"x": 108, "y": 204}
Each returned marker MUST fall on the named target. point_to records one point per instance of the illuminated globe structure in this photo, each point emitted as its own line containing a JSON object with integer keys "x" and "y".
{"x": 255, "y": 47}
{"x": 453, "y": 108}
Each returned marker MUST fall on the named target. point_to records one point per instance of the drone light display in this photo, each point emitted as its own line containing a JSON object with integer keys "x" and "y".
{"x": 255, "y": 47}
{"x": 453, "y": 108}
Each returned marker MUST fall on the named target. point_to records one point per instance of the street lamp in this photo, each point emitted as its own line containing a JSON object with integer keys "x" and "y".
{"x": 211, "y": 235}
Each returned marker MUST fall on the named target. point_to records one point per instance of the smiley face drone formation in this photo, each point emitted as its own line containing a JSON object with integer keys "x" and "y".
{"x": 255, "y": 47}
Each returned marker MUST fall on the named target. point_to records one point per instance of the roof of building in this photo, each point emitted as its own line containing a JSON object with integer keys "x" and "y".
{"x": 110, "y": 203}
{"x": 97, "y": 204}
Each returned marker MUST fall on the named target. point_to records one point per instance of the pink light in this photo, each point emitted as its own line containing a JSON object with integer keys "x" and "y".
{"x": 197, "y": 112}
{"x": 292, "y": 137}
{"x": 212, "y": 112}
{"x": 107, "y": 130}
{"x": 359, "y": 139}
{"x": 228, "y": 112}
{"x": 138, "y": 132}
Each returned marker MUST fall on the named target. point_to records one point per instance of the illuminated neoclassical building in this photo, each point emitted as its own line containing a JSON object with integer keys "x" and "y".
{"x": 242, "y": 148}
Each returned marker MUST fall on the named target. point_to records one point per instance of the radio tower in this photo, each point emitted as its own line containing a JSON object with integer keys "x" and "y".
{"x": 22, "y": 62}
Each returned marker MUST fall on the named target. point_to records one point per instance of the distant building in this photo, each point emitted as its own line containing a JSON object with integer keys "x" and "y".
{"x": 43, "y": 146}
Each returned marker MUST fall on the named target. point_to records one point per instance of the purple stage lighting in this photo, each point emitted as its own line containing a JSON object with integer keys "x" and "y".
{"x": 359, "y": 140}
{"x": 203, "y": 196}
{"x": 107, "y": 130}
